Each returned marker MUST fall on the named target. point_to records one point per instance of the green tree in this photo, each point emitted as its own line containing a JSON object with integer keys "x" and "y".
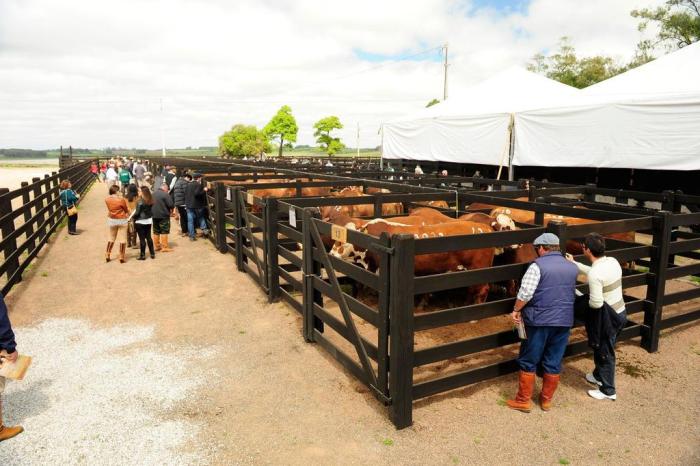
{"x": 564, "y": 66}
{"x": 243, "y": 141}
{"x": 328, "y": 143}
{"x": 678, "y": 22}
{"x": 432, "y": 102}
{"x": 283, "y": 128}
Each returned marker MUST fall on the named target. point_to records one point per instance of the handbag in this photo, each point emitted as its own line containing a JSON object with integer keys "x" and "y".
{"x": 72, "y": 210}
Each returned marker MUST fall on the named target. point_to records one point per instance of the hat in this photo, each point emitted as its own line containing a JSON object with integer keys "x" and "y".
{"x": 199, "y": 175}
{"x": 546, "y": 239}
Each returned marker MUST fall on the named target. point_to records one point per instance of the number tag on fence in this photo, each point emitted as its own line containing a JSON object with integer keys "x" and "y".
{"x": 339, "y": 233}
{"x": 249, "y": 198}
{"x": 228, "y": 194}
{"x": 293, "y": 217}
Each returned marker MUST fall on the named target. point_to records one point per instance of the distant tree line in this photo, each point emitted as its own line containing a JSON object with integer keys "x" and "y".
{"x": 282, "y": 129}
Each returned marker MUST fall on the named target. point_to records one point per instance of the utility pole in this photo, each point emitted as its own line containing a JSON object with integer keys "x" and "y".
{"x": 358, "y": 138}
{"x": 444, "y": 89}
{"x": 162, "y": 129}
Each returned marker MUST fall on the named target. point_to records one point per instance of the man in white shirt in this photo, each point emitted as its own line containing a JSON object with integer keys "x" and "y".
{"x": 605, "y": 286}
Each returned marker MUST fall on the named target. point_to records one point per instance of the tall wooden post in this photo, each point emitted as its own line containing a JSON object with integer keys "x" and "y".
{"x": 7, "y": 228}
{"x": 401, "y": 328}
{"x": 220, "y": 212}
{"x": 273, "y": 276}
{"x": 656, "y": 287}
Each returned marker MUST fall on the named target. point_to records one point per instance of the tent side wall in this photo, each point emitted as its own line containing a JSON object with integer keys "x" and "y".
{"x": 657, "y": 133}
{"x": 481, "y": 139}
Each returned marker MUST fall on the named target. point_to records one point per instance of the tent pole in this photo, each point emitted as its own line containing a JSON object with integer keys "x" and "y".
{"x": 511, "y": 149}
{"x": 381, "y": 148}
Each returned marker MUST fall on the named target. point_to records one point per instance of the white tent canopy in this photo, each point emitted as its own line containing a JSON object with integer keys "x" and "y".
{"x": 472, "y": 127}
{"x": 646, "y": 118}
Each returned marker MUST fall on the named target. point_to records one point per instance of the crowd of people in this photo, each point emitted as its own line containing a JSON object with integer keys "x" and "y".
{"x": 141, "y": 205}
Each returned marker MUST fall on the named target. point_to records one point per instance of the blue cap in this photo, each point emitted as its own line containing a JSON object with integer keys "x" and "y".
{"x": 546, "y": 239}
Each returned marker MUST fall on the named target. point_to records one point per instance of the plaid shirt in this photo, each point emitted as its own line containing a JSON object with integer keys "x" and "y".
{"x": 529, "y": 283}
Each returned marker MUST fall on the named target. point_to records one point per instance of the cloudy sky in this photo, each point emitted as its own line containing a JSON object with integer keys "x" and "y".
{"x": 92, "y": 73}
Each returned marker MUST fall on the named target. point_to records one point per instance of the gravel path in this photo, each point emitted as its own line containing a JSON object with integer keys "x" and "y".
{"x": 181, "y": 360}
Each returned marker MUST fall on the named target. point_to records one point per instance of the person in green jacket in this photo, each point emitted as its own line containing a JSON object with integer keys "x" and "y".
{"x": 124, "y": 179}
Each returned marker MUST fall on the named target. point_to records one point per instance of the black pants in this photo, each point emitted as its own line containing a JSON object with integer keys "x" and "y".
{"x": 604, "y": 359}
{"x": 144, "y": 232}
{"x": 72, "y": 222}
{"x": 182, "y": 212}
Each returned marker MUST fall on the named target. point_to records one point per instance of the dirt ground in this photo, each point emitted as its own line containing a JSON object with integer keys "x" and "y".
{"x": 270, "y": 398}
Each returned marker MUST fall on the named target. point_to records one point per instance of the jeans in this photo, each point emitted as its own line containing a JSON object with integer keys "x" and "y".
{"x": 182, "y": 212}
{"x": 604, "y": 359}
{"x": 72, "y": 223}
{"x": 543, "y": 348}
{"x": 144, "y": 232}
{"x": 194, "y": 216}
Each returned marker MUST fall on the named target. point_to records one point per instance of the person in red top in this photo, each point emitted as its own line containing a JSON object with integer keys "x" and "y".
{"x": 117, "y": 223}
{"x": 94, "y": 170}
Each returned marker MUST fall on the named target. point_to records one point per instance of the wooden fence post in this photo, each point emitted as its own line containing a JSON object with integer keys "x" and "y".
{"x": 238, "y": 228}
{"x": 307, "y": 268}
{"x": 7, "y": 228}
{"x": 27, "y": 215}
{"x": 559, "y": 228}
{"x": 401, "y": 330}
{"x": 220, "y": 212}
{"x": 39, "y": 205}
{"x": 656, "y": 287}
{"x": 273, "y": 276}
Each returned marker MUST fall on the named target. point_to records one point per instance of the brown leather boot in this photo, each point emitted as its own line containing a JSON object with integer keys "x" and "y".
{"x": 156, "y": 242}
{"x": 526, "y": 383}
{"x": 9, "y": 432}
{"x": 550, "y": 382}
{"x": 108, "y": 254}
{"x": 164, "y": 241}
{"x": 122, "y": 252}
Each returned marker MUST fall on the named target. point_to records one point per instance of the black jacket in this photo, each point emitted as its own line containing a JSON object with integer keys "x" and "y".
{"x": 162, "y": 204}
{"x": 178, "y": 191}
{"x": 7, "y": 336}
{"x": 195, "y": 196}
{"x": 143, "y": 211}
{"x": 602, "y": 323}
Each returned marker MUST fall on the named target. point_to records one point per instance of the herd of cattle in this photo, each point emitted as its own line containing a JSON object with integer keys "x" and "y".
{"x": 427, "y": 221}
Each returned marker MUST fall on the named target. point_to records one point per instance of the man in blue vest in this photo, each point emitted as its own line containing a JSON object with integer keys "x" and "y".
{"x": 545, "y": 303}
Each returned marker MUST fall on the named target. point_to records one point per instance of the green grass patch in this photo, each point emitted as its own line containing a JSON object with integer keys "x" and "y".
{"x": 388, "y": 442}
{"x": 44, "y": 274}
{"x": 695, "y": 280}
{"x": 564, "y": 461}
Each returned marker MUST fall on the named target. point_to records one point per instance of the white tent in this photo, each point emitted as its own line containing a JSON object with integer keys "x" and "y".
{"x": 473, "y": 127}
{"x": 646, "y": 118}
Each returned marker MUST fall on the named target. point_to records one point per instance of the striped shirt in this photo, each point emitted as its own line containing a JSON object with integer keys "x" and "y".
{"x": 604, "y": 283}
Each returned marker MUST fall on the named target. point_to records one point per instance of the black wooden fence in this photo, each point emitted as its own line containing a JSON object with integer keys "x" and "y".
{"x": 30, "y": 214}
{"x": 280, "y": 243}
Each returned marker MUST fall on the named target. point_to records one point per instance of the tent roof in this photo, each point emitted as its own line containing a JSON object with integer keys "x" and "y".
{"x": 512, "y": 90}
{"x": 674, "y": 73}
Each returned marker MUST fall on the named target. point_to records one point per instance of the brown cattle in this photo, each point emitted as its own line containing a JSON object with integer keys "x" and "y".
{"x": 435, "y": 204}
{"x": 426, "y": 264}
{"x": 358, "y": 210}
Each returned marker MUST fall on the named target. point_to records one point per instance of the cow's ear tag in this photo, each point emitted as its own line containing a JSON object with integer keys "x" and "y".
{"x": 249, "y": 198}
{"x": 339, "y": 233}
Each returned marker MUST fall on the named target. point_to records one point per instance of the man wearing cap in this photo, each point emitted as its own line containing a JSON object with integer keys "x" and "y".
{"x": 196, "y": 204}
{"x": 545, "y": 303}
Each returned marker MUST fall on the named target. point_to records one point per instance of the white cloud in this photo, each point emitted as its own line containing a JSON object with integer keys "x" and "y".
{"x": 91, "y": 73}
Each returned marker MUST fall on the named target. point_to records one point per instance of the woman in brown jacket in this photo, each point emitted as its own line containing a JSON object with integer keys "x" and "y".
{"x": 117, "y": 223}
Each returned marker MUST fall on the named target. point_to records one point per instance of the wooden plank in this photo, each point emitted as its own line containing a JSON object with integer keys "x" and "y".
{"x": 464, "y": 347}
{"x": 452, "y": 280}
{"x": 296, "y": 305}
{"x": 342, "y": 330}
{"x": 463, "y": 314}
{"x": 684, "y": 246}
{"x": 680, "y": 296}
{"x": 357, "y": 307}
{"x": 680, "y": 319}
{"x": 295, "y": 283}
{"x": 478, "y": 241}
{"x": 341, "y": 357}
{"x": 289, "y": 255}
{"x": 356, "y": 273}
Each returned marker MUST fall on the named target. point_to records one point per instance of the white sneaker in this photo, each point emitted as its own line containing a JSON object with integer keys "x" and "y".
{"x": 598, "y": 395}
{"x": 590, "y": 378}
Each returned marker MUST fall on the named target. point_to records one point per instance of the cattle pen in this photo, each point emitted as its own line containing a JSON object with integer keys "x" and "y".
{"x": 367, "y": 320}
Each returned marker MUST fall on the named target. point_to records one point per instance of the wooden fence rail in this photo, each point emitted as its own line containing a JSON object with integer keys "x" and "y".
{"x": 30, "y": 214}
